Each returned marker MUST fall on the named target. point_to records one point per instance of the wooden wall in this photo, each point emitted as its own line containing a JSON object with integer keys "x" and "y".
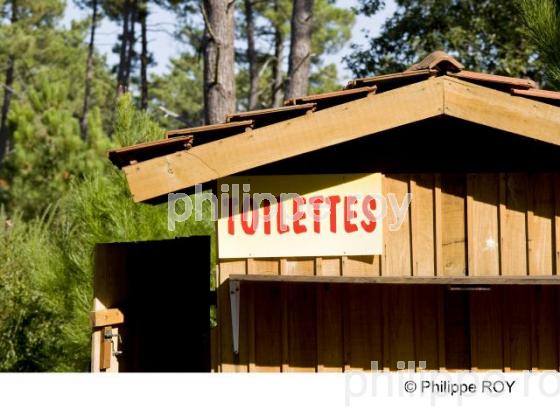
{"x": 292, "y": 327}
{"x": 458, "y": 224}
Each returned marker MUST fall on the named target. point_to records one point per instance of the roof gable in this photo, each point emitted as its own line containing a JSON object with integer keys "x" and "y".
{"x": 436, "y": 86}
{"x": 341, "y": 123}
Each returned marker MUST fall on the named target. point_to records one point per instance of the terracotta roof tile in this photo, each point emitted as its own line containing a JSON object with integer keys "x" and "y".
{"x": 141, "y": 152}
{"x": 332, "y": 98}
{"x": 489, "y": 79}
{"x": 435, "y": 64}
{"x": 389, "y": 81}
{"x": 269, "y": 116}
{"x": 268, "y": 111}
{"x": 205, "y": 129}
{"x": 437, "y": 60}
{"x": 551, "y": 97}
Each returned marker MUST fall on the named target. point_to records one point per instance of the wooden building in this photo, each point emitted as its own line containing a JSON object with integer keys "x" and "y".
{"x": 469, "y": 281}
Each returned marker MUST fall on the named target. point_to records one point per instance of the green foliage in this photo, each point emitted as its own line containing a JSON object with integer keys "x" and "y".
{"x": 324, "y": 79}
{"x": 485, "y": 35}
{"x": 179, "y": 91}
{"x": 46, "y": 282}
{"x": 48, "y": 151}
{"x": 31, "y": 324}
{"x": 332, "y": 29}
{"x": 542, "y": 19}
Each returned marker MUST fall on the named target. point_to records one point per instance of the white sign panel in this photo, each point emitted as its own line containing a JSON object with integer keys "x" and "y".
{"x": 299, "y": 215}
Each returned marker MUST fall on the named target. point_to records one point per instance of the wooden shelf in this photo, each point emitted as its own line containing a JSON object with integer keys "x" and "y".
{"x": 412, "y": 280}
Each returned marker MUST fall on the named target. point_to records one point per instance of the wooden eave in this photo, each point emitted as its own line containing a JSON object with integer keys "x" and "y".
{"x": 121, "y": 157}
{"x": 341, "y": 123}
{"x": 400, "y": 280}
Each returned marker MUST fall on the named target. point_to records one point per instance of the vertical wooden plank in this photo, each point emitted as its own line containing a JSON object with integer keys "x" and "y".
{"x": 469, "y": 223}
{"x": 318, "y": 266}
{"x": 398, "y": 323}
{"x": 454, "y": 252}
{"x": 267, "y": 327}
{"x": 300, "y": 266}
{"x": 363, "y": 326}
{"x": 482, "y": 220}
{"x": 556, "y": 191}
{"x": 397, "y": 256}
{"x": 263, "y": 266}
{"x": 533, "y": 311}
{"x": 330, "y": 266}
{"x": 546, "y": 328}
{"x": 214, "y": 349}
{"x": 330, "y": 349}
{"x": 517, "y": 318}
{"x": 302, "y": 324}
{"x": 437, "y": 225}
{"x": 367, "y": 265}
{"x": 252, "y": 268}
{"x": 106, "y": 350}
{"x": 486, "y": 329}
{"x": 284, "y": 295}
{"x": 506, "y": 327}
{"x": 249, "y": 306}
{"x": 513, "y": 229}
{"x": 540, "y": 225}
{"x": 441, "y": 328}
{"x": 558, "y": 318}
{"x": 344, "y": 265}
{"x": 426, "y": 332}
{"x": 457, "y": 330}
{"x": 95, "y": 351}
{"x": 422, "y": 224}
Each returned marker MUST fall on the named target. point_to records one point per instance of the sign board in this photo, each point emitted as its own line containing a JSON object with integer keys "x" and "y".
{"x": 299, "y": 215}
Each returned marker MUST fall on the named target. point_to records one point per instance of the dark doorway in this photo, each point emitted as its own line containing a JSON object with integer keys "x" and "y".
{"x": 163, "y": 289}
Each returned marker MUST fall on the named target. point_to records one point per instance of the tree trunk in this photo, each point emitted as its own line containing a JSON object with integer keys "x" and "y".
{"x": 124, "y": 47}
{"x": 300, "y": 49}
{"x": 251, "y": 55}
{"x": 144, "y": 56}
{"x": 277, "y": 73}
{"x": 219, "y": 79}
{"x": 89, "y": 74}
{"x": 133, "y": 15}
{"x": 8, "y": 91}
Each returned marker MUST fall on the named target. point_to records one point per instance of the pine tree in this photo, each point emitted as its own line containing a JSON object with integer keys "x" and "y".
{"x": 299, "y": 62}
{"x": 485, "y": 35}
{"x": 542, "y": 19}
{"x": 219, "y": 76}
{"x": 94, "y": 6}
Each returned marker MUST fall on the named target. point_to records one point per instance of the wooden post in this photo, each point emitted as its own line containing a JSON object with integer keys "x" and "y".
{"x": 105, "y": 339}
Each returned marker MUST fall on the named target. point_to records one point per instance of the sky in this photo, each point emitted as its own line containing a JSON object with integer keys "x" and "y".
{"x": 163, "y": 45}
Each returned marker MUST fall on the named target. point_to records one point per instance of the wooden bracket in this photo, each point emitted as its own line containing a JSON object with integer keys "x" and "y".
{"x": 108, "y": 317}
{"x": 234, "y": 298}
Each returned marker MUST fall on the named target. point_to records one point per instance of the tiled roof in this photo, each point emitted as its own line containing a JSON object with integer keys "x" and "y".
{"x": 436, "y": 64}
